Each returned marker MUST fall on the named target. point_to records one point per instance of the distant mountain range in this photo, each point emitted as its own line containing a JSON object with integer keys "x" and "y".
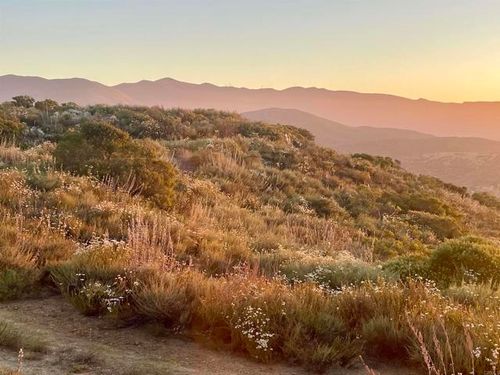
{"x": 471, "y": 162}
{"x": 471, "y": 119}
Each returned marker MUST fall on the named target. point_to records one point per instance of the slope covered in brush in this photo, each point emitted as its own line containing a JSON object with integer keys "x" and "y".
{"x": 248, "y": 233}
{"x": 469, "y": 162}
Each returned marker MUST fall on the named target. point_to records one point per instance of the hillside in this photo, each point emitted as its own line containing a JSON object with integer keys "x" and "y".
{"x": 356, "y": 109}
{"x": 245, "y": 236}
{"x": 469, "y": 162}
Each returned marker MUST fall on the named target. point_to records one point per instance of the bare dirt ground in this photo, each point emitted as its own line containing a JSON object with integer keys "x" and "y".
{"x": 93, "y": 346}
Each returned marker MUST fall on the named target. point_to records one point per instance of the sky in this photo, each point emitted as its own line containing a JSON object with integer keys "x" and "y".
{"x": 447, "y": 50}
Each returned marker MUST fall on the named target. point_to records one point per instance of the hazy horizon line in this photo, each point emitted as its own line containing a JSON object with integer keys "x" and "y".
{"x": 113, "y": 85}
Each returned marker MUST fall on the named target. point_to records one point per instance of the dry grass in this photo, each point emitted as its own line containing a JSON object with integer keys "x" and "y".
{"x": 12, "y": 155}
{"x": 150, "y": 242}
{"x": 12, "y": 338}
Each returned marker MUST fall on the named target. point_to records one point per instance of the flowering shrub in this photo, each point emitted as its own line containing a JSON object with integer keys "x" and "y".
{"x": 253, "y": 325}
{"x": 94, "y": 297}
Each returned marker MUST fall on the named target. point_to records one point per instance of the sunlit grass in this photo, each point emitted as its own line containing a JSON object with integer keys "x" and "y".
{"x": 274, "y": 248}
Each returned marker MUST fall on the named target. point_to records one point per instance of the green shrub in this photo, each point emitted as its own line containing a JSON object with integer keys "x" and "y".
{"x": 323, "y": 207}
{"x": 97, "y": 281}
{"x": 442, "y": 226}
{"x": 408, "y": 266}
{"x": 44, "y": 181}
{"x": 251, "y": 130}
{"x": 382, "y": 161}
{"x": 47, "y": 105}
{"x": 386, "y": 248}
{"x": 309, "y": 319}
{"x": 424, "y": 202}
{"x": 466, "y": 259}
{"x": 279, "y": 157}
{"x": 103, "y": 150}
{"x": 358, "y": 201}
{"x": 329, "y": 342}
{"x": 10, "y": 127}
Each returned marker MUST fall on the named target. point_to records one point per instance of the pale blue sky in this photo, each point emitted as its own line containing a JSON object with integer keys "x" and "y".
{"x": 438, "y": 49}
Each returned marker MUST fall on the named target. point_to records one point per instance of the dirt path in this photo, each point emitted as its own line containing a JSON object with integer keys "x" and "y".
{"x": 85, "y": 345}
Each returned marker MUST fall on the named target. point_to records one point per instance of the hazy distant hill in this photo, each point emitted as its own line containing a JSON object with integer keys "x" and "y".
{"x": 76, "y": 90}
{"x": 471, "y": 162}
{"x": 330, "y": 133}
{"x": 479, "y": 119}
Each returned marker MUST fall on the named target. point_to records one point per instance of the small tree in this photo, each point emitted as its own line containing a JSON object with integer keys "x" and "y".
{"x": 23, "y": 101}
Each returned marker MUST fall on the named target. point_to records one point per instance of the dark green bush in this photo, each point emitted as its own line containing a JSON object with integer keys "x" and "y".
{"x": 10, "y": 127}
{"x": 280, "y": 158}
{"x": 382, "y": 161}
{"x": 44, "y": 181}
{"x": 323, "y": 207}
{"x": 463, "y": 259}
{"x": 420, "y": 202}
{"x": 387, "y": 247}
{"x": 409, "y": 266}
{"x": 25, "y": 101}
{"x": 487, "y": 199}
{"x": 138, "y": 124}
{"x": 442, "y": 226}
{"x": 362, "y": 200}
{"x": 102, "y": 150}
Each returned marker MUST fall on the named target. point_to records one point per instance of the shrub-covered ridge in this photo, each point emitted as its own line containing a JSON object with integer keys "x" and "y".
{"x": 246, "y": 233}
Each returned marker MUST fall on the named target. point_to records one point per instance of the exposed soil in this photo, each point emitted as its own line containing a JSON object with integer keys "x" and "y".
{"x": 88, "y": 345}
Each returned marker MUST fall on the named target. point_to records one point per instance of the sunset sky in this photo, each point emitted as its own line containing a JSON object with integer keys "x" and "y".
{"x": 446, "y": 50}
